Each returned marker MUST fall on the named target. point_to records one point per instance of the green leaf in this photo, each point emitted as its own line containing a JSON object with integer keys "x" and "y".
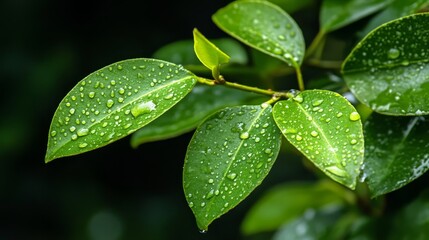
{"x": 113, "y": 102}
{"x": 335, "y": 14}
{"x": 396, "y": 151}
{"x": 263, "y": 26}
{"x": 288, "y": 201}
{"x": 182, "y": 52}
{"x": 209, "y": 55}
{"x": 228, "y": 157}
{"x": 389, "y": 71}
{"x": 312, "y": 225}
{"x": 397, "y": 9}
{"x": 326, "y": 128}
{"x": 187, "y": 114}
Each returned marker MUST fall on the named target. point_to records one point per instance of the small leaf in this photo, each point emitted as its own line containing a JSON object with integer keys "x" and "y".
{"x": 263, "y": 26}
{"x": 182, "y": 52}
{"x": 209, "y": 55}
{"x": 396, "y": 151}
{"x": 389, "y": 69}
{"x": 113, "y": 102}
{"x": 228, "y": 157}
{"x": 288, "y": 201}
{"x": 326, "y": 128}
{"x": 335, "y": 14}
{"x": 187, "y": 114}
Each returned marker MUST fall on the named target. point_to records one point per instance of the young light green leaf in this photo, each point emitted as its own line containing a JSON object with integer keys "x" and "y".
{"x": 113, "y": 102}
{"x": 396, "y": 152}
{"x": 326, "y": 128}
{"x": 389, "y": 69}
{"x": 182, "y": 52}
{"x": 209, "y": 55}
{"x": 188, "y": 113}
{"x": 228, "y": 157}
{"x": 263, "y": 26}
{"x": 397, "y": 9}
{"x": 288, "y": 201}
{"x": 335, "y": 14}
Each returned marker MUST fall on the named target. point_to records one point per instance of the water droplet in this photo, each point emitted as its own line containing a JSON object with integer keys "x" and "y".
{"x": 353, "y": 141}
{"x": 257, "y": 139}
{"x": 317, "y": 102}
{"x": 268, "y": 151}
{"x": 169, "y": 96}
{"x": 72, "y": 128}
{"x": 119, "y": 67}
{"x": 83, "y": 145}
{"x": 277, "y": 51}
{"x": 281, "y": 37}
{"x": 232, "y": 176}
{"x": 72, "y": 111}
{"x": 393, "y": 53}
{"x": 91, "y": 94}
{"x": 143, "y": 108}
{"x": 109, "y": 103}
{"x": 298, "y": 137}
{"x": 314, "y": 133}
{"x": 53, "y": 133}
{"x": 244, "y": 135}
{"x": 74, "y": 137}
{"x": 191, "y": 204}
{"x": 121, "y": 91}
{"x": 82, "y": 132}
{"x": 203, "y": 231}
{"x": 291, "y": 130}
{"x": 354, "y": 116}
{"x": 336, "y": 171}
{"x": 203, "y": 204}
{"x": 211, "y": 180}
{"x": 298, "y": 98}
{"x": 339, "y": 114}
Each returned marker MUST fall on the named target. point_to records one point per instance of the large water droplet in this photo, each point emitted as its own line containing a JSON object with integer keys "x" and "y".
{"x": 82, "y": 132}
{"x": 83, "y": 145}
{"x": 298, "y": 98}
{"x": 110, "y": 103}
{"x": 232, "y": 176}
{"x": 143, "y": 108}
{"x": 354, "y": 116}
{"x": 393, "y": 53}
{"x": 244, "y": 135}
{"x": 314, "y": 133}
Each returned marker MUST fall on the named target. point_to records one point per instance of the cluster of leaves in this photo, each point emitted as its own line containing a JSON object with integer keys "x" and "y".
{"x": 239, "y": 128}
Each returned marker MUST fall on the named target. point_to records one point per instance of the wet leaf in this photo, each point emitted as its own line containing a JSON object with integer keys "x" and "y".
{"x": 113, "y": 102}
{"x": 263, "y": 26}
{"x": 335, "y": 14}
{"x": 187, "y": 114}
{"x": 228, "y": 157}
{"x": 396, "y": 9}
{"x": 288, "y": 201}
{"x": 389, "y": 69}
{"x": 326, "y": 128}
{"x": 396, "y": 151}
{"x": 209, "y": 54}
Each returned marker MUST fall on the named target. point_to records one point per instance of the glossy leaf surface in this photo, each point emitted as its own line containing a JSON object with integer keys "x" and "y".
{"x": 187, "y": 114}
{"x": 288, "y": 201}
{"x": 396, "y": 152}
{"x": 113, "y": 102}
{"x": 263, "y": 26}
{"x": 335, "y": 14}
{"x": 326, "y": 128}
{"x": 209, "y": 54}
{"x": 228, "y": 157}
{"x": 389, "y": 69}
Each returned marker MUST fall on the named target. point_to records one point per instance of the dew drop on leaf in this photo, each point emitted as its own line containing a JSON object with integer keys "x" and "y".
{"x": 244, "y": 135}
{"x": 143, "y": 108}
{"x": 393, "y": 53}
{"x": 354, "y": 116}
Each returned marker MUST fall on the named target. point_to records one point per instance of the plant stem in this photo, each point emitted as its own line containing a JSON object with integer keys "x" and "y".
{"x": 268, "y": 92}
{"x": 299, "y": 77}
{"x": 315, "y": 44}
